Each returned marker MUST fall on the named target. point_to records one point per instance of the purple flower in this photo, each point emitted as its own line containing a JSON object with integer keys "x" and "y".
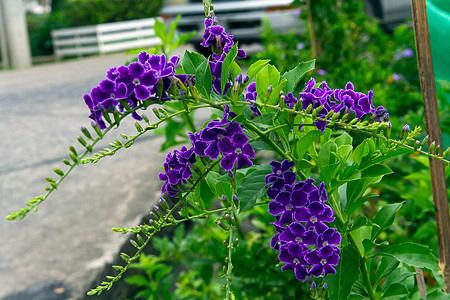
{"x": 302, "y": 206}
{"x": 397, "y": 77}
{"x": 295, "y": 262}
{"x": 235, "y": 149}
{"x": 407, "y": 53}
{"x": 139, "y": 80}
{"x": 177, "y": 169}
{"x": 300, "y": 46}
{"x": 250, "y": 97}
{"x": 216, "y": 72}
{"x": 322, "y": 72}
{"x": 280, "y": 178}
{"x": 218, "y": 39}
{"x": 323, "y": 260}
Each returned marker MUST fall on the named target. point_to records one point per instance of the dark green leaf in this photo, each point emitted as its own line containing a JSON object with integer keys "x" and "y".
{"x": 360, "y": 152}
{"x": 359, "y": 235}
{"x": 294, "y": 76}
{"x": 390, "y": 154}
{"x": 356, "y": 188}
{"x": 385, "y": 267}
{"x": 252, "y": 188}
{"x": 347, "y": 272}
{"x": 327, "y": 154}
{"x": 384, "y": 218}
{"x": 395, "y": 291}
{"x": 369, "y": 246}
{"x": 191, "y": 61}
{"x": 414, "y": 255}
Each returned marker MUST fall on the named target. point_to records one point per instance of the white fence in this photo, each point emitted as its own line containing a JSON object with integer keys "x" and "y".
{"x": 104, "y": 38}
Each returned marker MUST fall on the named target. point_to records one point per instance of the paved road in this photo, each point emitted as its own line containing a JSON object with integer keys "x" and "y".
{"x": 70, "y": 238}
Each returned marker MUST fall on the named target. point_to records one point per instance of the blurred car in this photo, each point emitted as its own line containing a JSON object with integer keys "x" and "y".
{"x": 391, "y": 13}
{"x": 243, "y": 19}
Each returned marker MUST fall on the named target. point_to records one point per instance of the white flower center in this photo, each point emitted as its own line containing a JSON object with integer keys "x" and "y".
{"x": 313, "y": 219}
{"x": 238, "y": 151}
{"x": 296, "y": 261}
{"x": 136, "y": 81}
{"x": 289, "y": 207}
{"x": 325, "y": 243}
{"x": 279, "y": 172}
{"x": 298, "y": 239}
{"x": 220, "y": 136}
{"x": 323, "y": 261}
{"x": 113, "y": 96}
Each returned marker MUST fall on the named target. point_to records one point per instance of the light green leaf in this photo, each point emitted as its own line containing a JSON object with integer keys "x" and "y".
{"x": 343, "y": 139}
{"x": 268, "y": 76}
{"x": 327, "y": 154}
{"x": 360, "y": 152}
{"x": 376, "y": 170}
{"x": 226, "y": 66}
{"x": 160, "y": 30}
{"x": 276, "y": 92}
{"x": 235, "y": 70}
{"x": 359, "y": 235}
{"x": 204, "y": 79}
{"x": 306, "y": 141}
{"x": 347, "y": 272}
{"x": 294, "y": 76}
{"x": 254, "y": 69}
{"x": 252, "y": 188}
{"x": 137, "y": 280}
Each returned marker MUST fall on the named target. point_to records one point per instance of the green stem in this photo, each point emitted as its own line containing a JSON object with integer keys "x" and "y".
{"x": 230, "y": 264}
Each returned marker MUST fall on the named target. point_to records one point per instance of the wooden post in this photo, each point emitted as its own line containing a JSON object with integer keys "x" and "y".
{"x": 437, "y": 170}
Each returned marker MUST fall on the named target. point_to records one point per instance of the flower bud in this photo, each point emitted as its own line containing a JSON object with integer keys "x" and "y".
{"x": 405, "y": 131}
{"x": 86, "y": 132}
{"x": 431, "y": 148}
{"x": 425, "y": 140}
{"x": 416, "y": 145}
{"x": 437, "y": 151}
{"x": 163, "y": 203}
{"x": 446, "y": 152}
{"x": 313, "y": 286}
{"x": 223, "y": 226}
{"x": 386, "y": 117}
{"x": 388, "y": 129}
{"x": 316, "y": 111}
{"x": 325, "y": 286}
{"x": 309, "y": 108}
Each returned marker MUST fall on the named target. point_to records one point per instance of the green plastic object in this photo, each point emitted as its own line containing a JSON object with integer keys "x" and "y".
{"x": 438, "y": 12}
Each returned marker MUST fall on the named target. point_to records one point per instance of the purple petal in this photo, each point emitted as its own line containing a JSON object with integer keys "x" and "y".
{"x": 141, "y": 92}
{"x": 226, "y": 146}
{"x": 228, "y": 161}
{"x": 243, "y": 161}
{"x": 135, "y": 69}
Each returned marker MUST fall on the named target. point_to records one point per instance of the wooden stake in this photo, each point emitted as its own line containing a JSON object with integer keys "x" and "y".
{"x": 437, "y": 170}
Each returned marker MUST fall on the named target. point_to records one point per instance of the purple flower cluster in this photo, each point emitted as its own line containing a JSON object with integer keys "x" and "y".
{"x": 149, "y": 77}
{"x": 250, "y": 97}
{"x": 219, "y": 136}
{"x": 221, "y": 43}
{"x": 177, "y": 169}
{"x": 306, "y": 244}
{"x": 339, "y": 100}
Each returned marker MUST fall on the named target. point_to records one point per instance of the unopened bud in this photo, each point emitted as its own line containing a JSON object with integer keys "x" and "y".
{"x": 329, "y": 114}
{"x": 425, "y": 140}
{"x": 163, "y": 203}
{"x": 437, "y": 151}
{"x": 223, "y": 226}
{"x": 313, "y": 286}
{"x": 388, "y": 129}
{"x": 386, "y": 117}
{"x": 245, "y": 79}
{"x": 405, "y": 131}
{"x": 446, "y": 152}
{"x": 325, "y": 286}
{"x": 416, "y": 145}
{"x": 86, "y": 132}
{"x": 316, "y": 111}
{"x": 431, "y": 148}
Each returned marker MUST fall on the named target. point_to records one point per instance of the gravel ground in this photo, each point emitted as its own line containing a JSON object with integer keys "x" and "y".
{"x": 65, "y": 244}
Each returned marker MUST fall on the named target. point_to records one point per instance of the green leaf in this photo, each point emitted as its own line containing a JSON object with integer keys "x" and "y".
{"x": 370, "y": 245}
{"x": 137, "y": 280}
{"x": 347, "y": 272}
{"x": 235, "y": 70}
{"x": 327, "y": 154}
{"x": 191, "y": 61}
{"x": 384, "y": 218}
{"x": 355, "y": 189}
{"x": 390, "y": 154}
{"x": 211, "y": 179}
{"x": 385, "y": 267}
{"x": 306, "y": 141}
{"x": 172, "y": 28}
{"x": 276, "y": 92}
{"x": 327, "y": 173}
{"x": 413, "y": 255}
{"x": 395, "y": 291}
{"x": 294, "y": 76}
{"x": 268, "y": 76}
{"x": 343, "y": 139}
{"x": 226, "y": 66}
{"x": 360, "y": 152}
{"x": 359, "y": 235}
{"x": 376, "y": 170}
{"x": 204, "y": 79}
{"x": 252, "y": 188}
{"x": 160, "y": 30}
{"x": 254, "y": 69}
